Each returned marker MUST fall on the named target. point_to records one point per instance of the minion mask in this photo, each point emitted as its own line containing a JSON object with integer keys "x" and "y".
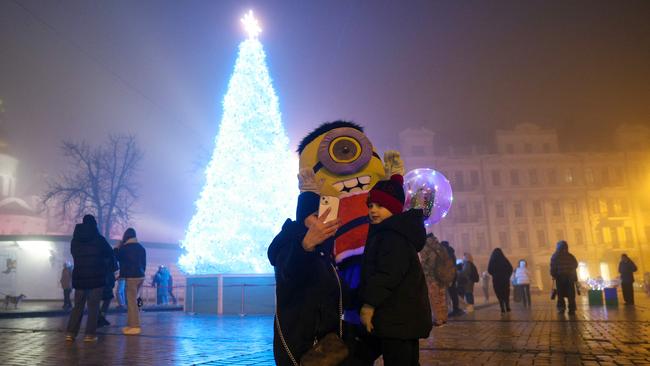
{"x": 342, "y": 158}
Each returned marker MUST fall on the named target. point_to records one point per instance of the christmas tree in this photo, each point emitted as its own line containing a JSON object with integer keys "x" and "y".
{"x": 251, "y": 184}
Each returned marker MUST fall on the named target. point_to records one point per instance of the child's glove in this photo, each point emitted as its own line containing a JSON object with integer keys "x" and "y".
{"x": 366, "y": 314}
{"x": 307, "y": 181}
{"x": 393, "y": 163}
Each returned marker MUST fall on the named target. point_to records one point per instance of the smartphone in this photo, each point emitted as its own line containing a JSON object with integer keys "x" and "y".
{"x": 330, "y": 202}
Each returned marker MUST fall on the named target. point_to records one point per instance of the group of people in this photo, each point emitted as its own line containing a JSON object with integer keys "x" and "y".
{"x": 93, "y": 278}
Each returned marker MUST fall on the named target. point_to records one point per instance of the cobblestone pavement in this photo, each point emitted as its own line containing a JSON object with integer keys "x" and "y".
{"x": 595, "y": 336}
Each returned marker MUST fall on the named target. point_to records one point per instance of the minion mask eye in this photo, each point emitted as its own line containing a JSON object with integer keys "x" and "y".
{"x": 344, "y": 151}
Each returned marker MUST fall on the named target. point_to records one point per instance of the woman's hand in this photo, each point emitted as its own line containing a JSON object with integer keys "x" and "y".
{"x": 318, "y": 230}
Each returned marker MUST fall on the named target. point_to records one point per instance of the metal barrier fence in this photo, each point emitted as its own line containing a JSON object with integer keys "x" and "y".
{"x": 243, "y": 287}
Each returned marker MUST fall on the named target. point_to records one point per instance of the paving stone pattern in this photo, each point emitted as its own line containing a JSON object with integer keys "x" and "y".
{"x": 594, "y": 336}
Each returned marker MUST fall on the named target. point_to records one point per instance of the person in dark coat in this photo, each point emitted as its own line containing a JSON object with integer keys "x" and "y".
{"x": 133, "y": 263}
{"x": 500, "y": 269}
{"x": 563, "y": 271}
{"x": 307, "y": 285}
{"x": 452, "y": 290}
{"x": 91, "y": 254}
{"x": 396, "y": 310}
{"x": 627, "y": 268}
{"x": 107, "y": 293}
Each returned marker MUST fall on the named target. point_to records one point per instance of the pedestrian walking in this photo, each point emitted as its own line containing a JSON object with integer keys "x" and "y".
{"x": 91, "y": 254}
{"x": 66, "y": 284}
{"x": 563, "y": 271}
{"x": 133, "y": 262}
{"x": 171, "y": 287}
{"x": 627, "y": 268}
{"x": 470, "y": 273}
{"x": 500, "y": 269}
{"x": 439, "y": 272}
{"x": 452, "y": 290}
{"x": 522, "y": 282}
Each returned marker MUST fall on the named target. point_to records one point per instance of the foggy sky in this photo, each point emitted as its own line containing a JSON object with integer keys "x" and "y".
{"x": 159, "y": 69}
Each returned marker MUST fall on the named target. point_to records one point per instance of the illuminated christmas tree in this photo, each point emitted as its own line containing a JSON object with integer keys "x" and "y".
{"x": 251, "y": 184}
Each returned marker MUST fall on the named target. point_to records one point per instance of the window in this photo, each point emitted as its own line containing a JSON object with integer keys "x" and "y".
{"x": 458, "y": 177}
{"x": 555, "y": 208}
{"x": 514, "y": 177}
{"x": 559, "y": 233}
{"x": 518, "y": 208}
{"x": 478, "y": 210}
{"x": 605, "y": 173}
{"x": 572, "y": 207}
{"x": 500, "y": 209}
{"x": 481, "y": 243}
{"x": 522, "y": 238}
{"x": 532, "y": 177}
{"x": 542, "y": 242}
{"x": 589, "y": 176}
{"x": 464, "y": 238}
{"x": 528, "y": 148}
{"x": 503, "y": 239}
{"x": 552, "y": 178}
{"x": 418, "y": 150}
{"x": 496, "y": 178}
{"x": 629, "y": 237}
{"x": 474, "y": 178}
{"x": 462, "y": 212}
{"x": 607, "y": 235}
{"x": 568, "y": 175}
{"x": 580, "y": 240}
{"x": 538, "y": 209}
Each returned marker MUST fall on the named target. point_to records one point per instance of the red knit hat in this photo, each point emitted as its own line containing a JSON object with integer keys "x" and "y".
{"x": 389, "y": 194}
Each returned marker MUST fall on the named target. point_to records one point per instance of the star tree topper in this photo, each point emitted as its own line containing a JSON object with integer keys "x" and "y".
{"x": 251, "y": 25}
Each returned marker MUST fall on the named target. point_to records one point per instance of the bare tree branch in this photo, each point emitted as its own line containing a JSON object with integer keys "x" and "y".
{"x": 101, "y": 181}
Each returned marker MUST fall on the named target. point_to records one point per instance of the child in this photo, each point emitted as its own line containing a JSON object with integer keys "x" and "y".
{"x": 396, "y": 310}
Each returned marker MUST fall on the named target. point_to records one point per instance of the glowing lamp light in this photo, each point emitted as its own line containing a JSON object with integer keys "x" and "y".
{"x": 583, "y": 271}
{"x": 604, "y": 271}
{"x": 37, "y": 249}
{"x": 251, "y": 25}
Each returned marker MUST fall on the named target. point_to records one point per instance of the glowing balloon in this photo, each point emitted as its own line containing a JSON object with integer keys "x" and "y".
{"x": 430, "y": 191}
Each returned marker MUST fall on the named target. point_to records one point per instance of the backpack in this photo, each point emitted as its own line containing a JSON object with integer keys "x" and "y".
{"x": 444, "y": 268}
{"x": 473, "y": 276}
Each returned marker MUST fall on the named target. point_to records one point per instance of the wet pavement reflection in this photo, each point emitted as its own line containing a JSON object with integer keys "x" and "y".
{"x": 537, "y": 336}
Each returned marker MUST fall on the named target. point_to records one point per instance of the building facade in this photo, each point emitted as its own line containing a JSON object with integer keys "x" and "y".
{"x": 526, "y": 194}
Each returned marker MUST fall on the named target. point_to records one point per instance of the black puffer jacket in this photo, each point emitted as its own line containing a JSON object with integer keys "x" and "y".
{"x": 307, "y": 292}
{"x": 563, "y": 263}
{"x": 392, "y": 280}
{"x": 92, "y": 255}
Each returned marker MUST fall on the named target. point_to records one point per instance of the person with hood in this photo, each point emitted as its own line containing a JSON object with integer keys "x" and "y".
{"x": 66, "y": 284}
{"x": 452, "y": 290}
{"x": 522, "y": 282}
{"x": 91, "y": 253}
{"x": 500, "y": 269}
{"x": 161, "y": 283}
{"x": 396, "y": 310}
{"x": 563, "y": 271}
{"x": 470, "y": 274}
{"x": 133, "y": 263}
{"x": 307, "y": 290}
{"x": 627, "y": 268}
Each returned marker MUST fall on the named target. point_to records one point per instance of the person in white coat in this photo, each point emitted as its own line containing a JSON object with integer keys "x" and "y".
{"x": 522, "y": 282}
